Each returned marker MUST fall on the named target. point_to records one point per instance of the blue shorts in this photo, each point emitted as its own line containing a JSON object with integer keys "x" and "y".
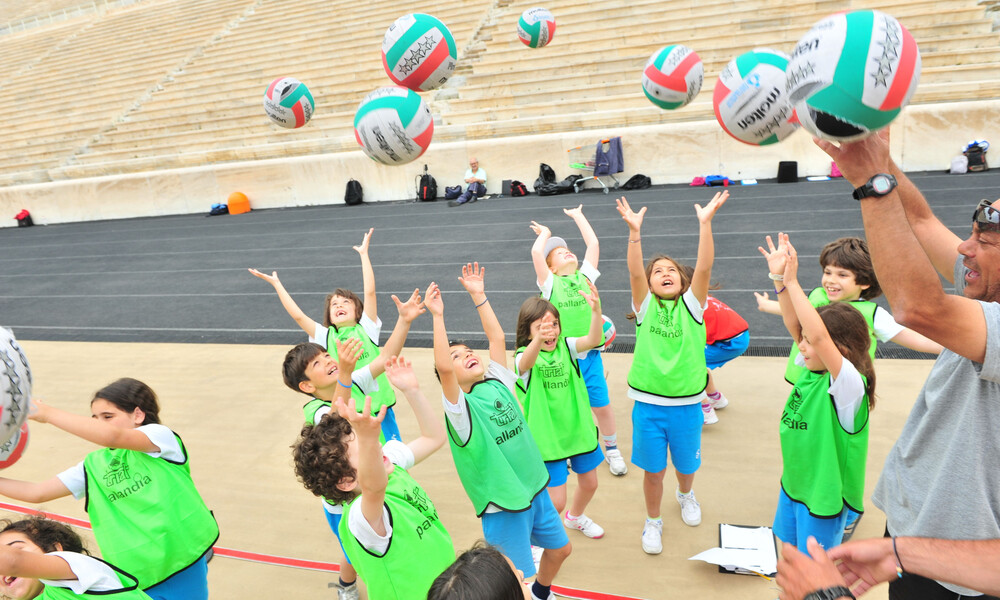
{"x": 334, "y": 520}
{"x": 390, "y": 429}
{"x": 793, "y": 524}
{"x": 592, "y": 369}
{"x": 655, "y": 429}
{"x": 189, "y": 584}
{"x": 581, "y": 463}
{"x": 723, "y": 351}
{"x": 513, "y": 533}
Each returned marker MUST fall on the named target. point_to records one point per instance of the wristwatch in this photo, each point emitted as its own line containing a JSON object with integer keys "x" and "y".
{"x": 879, "y": 185}
{"x": 830, "y": 593}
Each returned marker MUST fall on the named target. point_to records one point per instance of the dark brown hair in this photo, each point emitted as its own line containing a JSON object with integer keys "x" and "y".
{"x": 849, "y": 331}
{"x": 129, "y": 394}
{"x": 359, "y": 305}
{"x": 685, "y": 280}
{"x": 532, "y": 309}
{"x": 46, "y": 533}
{"x": 689, "y": 271}
{"x": 293, "y": 369}
{"x": 479, "y": 573}
{"x": 851, "y": 253}
{"x": 320, "y": 456}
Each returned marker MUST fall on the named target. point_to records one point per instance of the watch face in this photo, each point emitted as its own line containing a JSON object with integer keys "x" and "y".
{"x": 881, "y": 185}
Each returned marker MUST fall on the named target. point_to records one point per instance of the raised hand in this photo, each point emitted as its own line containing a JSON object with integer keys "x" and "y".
{"x": 272, "y": 278}
{"x": 762, "y": 300}
{"x": 593, "y": 298}
{"x": 432, "y": 300}
{"x": 348, "y": 353}
{"x": 541, "y": 330}
{"x": 632, "y": 219}
{"x": 705, "y": 214}
{"x": 791, "y": 264}
{"x": 861, "y": 159}
{"x": 776, "y": 255}
{"x": 540, "y": 229}
{"x": 473, "y": 278}
{"x": 574, "y": 213}
{"x": 412, "y": 308}
{"x": 401, "y": 374}
{"x": 364, "y": 423}
{"x": 363, "y": 248}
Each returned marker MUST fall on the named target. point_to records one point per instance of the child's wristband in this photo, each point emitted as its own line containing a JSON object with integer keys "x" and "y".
{"x": 483, "y": 302}
{"x": 342, "y": 385}
{"x": 635, "y": 241}
{"x": 783, "y": 288}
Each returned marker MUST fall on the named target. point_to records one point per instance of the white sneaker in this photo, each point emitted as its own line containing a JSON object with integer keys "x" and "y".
{"x": 349, "y": 592}
{"x": 652, "y": 537}
{"x": 709, "y": 413}
{"x": 536, "y": 556}
{"x": 690, "y": 509}
{"x": 616, "y": 462}
{"x": 584, "y": 524}
{"x": 720, "y": 403}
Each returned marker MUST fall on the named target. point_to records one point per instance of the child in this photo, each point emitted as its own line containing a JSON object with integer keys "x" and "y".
{"x": 480, "y": 573}
{"x": 147, "y": 515}
{"x": 668, "y": 376}
{"x": 40, "y": 558}
{"x": 309, "y": 368}
{"x": 560, "y": 278}
{"x": 346, "y": 316}
{"x": 495, "y": 453}
{"x": 391, "y": 530}
{"x": 550, "y": 387}
{"x": 727, "y": 336}
{"x": 824, "y": 444}
{"x": 848, "y": 276}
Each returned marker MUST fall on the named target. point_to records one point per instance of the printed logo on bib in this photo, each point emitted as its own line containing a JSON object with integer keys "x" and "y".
{"x": 505, "y": 414}
{"x": 665, "y": 326}
{"x": 793, "y": 420}
{"x": 122, "y": 481}
{"x": 554, "y": 376}
{"x": 572, "y": 297}
{"x": 417, "y": 498}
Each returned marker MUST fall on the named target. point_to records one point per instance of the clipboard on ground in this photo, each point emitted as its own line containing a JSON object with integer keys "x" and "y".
{"x": 743, "y": 550}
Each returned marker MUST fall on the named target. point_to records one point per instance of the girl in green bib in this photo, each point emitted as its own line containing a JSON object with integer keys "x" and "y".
{"x": 668, "y": 376}
{"x": 46, "y": 559}
{"x": 147, "y": 515}
{"x": 824, "y": 426}
{"x": 553, "y": 392}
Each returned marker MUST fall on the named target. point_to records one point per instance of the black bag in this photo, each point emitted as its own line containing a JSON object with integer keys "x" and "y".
{"x": 452, "y": 192}
{"x": 518, "y": 189}
{"x": 552, "y": 189}
{"x": 218, "y": 209}
{"x": 637, "y": 182}
{"x": 354, "y": 195}
{"x": 545, "y": 185}
{"x": 24, "y": 218}
{"x": 977, "y": 158}
{"x": 427, "y": 189}
{"x": 546, "y": 173}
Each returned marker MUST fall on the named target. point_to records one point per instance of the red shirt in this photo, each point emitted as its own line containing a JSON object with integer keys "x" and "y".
{"x": 722, "y": 322}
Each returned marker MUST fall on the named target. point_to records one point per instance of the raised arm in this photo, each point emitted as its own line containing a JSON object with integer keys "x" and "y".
{"x": 539, "y": 332}
{"x": 473, "y": 279}
{"x": 348, "y": 353}
{"x": 372, "y": 478}
{"x": 293, "y": 310}
{"x": 776, "y": 257}
{"x": 633, "y": 258}
{"x": 593, "y": 253}
{"x": 408, "y": 311}
{"x": 812, "y": 324}
{"x": 908, "y": 338}
{"x": 596, "y": 330}
{"x": 93, "y": 429}
{"x": 15, "y": 562}
{"x": 34, "y": 492}
{"x": 442, "y": 351}
{"x": 702, "y": 277}
{"x": 432, "y": 433}
{"x": 542, "y": 271}
{"x": 766, "y": 305}
{"x": 368, "y": 277}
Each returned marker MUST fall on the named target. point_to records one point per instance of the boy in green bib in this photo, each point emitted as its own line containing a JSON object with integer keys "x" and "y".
{"x": 494, "y": 451}
{"x": 391, "y": 530}
{"x": 824, "y": 425}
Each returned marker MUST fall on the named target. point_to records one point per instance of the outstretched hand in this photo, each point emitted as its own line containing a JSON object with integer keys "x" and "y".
{"x": 38, "y": 411}
{"x": 540, "y": 230}
{"x": 272, "y": 278}
{"x": 859, "y": 160}
{"x": 705, "y": 214}
{"x": 800, "y": 575}
{"x": 348, "y": 353}
{"x": 363, "y": 248}
{"x": 632, "y": 219}
{"x": 401, "y": 374}
{"x": 865, "y": 563}
{"x": 791, "y": 265}
{"x": 574, "y": 213}
{"x": 593, "y": 298}
{"x": 776, "y": 256}
{"x": 473, "y": 278}
{"x": 364, "y": 423}
{"x": 412, "y": 308}
{"x": 433, "y": 301}
{"x": 762, "y": 300}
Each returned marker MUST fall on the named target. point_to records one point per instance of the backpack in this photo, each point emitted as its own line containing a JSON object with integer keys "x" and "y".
{"x": 714, "y": 180}
{"x": 354, "y": 194}
{"x": 452, "y": 192}
{"x": 546, "y": 173}
{"x": 545, "y": 185}
{"x": 518, "y": 189}
{"x": 975, "y": 151}
{"x": 218, "y": 209}
{"x": 23, "y": 218}
{"x": 637, "y": 182}
{"x": 427, "y": 189}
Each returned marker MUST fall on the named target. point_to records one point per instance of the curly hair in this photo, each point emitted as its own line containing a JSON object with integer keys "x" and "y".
{"x": 480, "y": 573}
{"x": 321, "y": 461}
{"x": 46, "y": 533}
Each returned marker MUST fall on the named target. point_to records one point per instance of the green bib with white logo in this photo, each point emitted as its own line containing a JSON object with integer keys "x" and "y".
{"x": 129, "y": 590}
{"x": 419, "y": 550}
{"x": 669, "y": 357}
{"x": 556, "y": 405}
{"x": 574, "y": 312}
{"x": 384, "y": 396}
{"x": 147, "y": 516}
{"x": 500, "y": 463}
{"x": 824, "y": 466}
{"x": 818, "y": 298}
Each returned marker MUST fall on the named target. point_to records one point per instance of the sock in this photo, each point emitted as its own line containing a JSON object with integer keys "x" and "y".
{"x": 540, "y": 591}
{"x": 610, "y": 441}
{"x": 344, "y": 584}
{"x": 571, "y": 517}
{"x": 652, "y": 520}
{"x": 715, "y": 395}
{"x": 689, "y": 492}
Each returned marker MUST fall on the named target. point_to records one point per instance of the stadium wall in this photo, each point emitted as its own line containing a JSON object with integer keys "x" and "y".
{"x": 924, "y": 138}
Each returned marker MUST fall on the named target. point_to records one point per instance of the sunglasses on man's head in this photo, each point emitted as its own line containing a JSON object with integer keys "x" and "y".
{"x": 987, "y": 216}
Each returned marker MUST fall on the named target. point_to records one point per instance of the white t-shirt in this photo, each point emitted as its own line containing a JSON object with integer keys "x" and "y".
{"x": 479, "y": 174}
{"x": 400, "y": 455}
{"x": 848, "y": 392}
{"x": 372, "y": 328}
{"x": 92, "y": 575}
{"x": 360, "y": 377}
{"x": 885, "y": 325}
{"x": 75, "y": 478}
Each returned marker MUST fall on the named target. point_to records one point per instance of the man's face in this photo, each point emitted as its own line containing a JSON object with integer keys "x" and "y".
{"x": 474, "y": 165}
{"x": 981, "y": 252}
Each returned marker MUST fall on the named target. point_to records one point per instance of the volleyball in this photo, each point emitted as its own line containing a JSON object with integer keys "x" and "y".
{"x": 393, "y": 125}
{"x": 15, "y": 386}
{"x": 673, "y": 76}
{"x": 418, "y": 52}
{"x": 750, "y": 100}
{"x": 852, "y": 74}
{"x": 609, "y": 333}
{"x": 12, "y": 449}
{"x": 536, "y": 27}
{"x": 288, "y": 102}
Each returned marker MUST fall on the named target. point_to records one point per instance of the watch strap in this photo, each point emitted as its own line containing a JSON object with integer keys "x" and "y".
{"x": 831, "y": 593}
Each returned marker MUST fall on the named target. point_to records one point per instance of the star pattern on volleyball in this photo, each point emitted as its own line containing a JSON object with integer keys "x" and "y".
{"x": 890, "y": 53}
{"x": 417, "y": 53}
